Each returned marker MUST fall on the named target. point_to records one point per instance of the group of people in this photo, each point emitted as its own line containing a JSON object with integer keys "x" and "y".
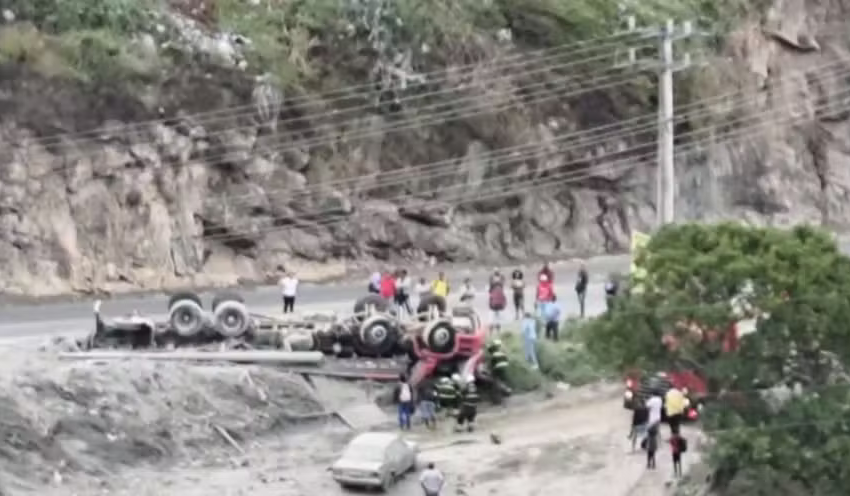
{"x": 456, "y": 396}
{"x": 646, "y": 423}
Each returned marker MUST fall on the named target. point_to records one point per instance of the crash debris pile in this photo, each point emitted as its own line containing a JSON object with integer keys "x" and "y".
{"x": 61, "y": 419}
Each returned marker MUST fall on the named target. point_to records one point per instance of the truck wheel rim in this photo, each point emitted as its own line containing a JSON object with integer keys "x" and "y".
{"x": 441, "y": 336}
{"x": 376, "y": 334}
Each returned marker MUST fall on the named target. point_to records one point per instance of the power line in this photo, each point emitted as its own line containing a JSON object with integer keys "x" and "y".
{"x": 448, "y": 114}
{"x": 599, "y": 135}
{"x": 512, "y": 189}
{"x": 360, "y": 91}
{"x": 575, "y": 176}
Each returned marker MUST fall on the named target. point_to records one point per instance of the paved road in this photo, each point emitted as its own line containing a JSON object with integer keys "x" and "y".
{"x": 42, "y": 320}
{"x": 50, "y": 319}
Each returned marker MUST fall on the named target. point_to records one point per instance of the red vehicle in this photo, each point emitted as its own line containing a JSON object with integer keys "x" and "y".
{"x": 684, "y": 375}
{"x": 450, "y": 344}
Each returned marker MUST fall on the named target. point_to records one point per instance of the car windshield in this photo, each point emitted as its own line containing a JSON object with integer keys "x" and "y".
{"x": 364, "y": 452}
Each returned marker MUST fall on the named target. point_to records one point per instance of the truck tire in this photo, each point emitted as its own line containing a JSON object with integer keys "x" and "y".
{"x": 376, "y": 337}
{"x": 186, "y": 317}
{"x": 431, "y": 300}
{"x": 178, "y": 297}
{"x": 381, "y": 305}
{"x": 231, "y": 319}
{"x": 220, "y": 298}
{"x": 440, "y": 336}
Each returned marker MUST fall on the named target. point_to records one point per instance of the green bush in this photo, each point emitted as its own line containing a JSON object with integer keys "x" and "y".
{"x": 566, "y": 361}
{"x": 61, "y": 16}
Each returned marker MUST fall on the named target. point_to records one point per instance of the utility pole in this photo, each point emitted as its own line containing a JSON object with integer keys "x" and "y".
{"x": 665, "y": 65}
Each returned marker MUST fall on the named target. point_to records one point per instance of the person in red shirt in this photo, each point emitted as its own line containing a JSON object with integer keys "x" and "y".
{"x": 545, "y": 289}
{"x": 387, "y": 286}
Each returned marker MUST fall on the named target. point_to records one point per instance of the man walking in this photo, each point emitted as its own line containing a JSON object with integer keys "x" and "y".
{"x": 432, "y": 481}
{"x": 404, "y": 400}
{"x": 289, "y": 289}
{"x": 468, "y": 406}
{"x": 581, "y": 288}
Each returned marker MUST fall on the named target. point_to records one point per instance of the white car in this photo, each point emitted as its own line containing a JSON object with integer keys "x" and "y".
{"x": 375, "y": 460}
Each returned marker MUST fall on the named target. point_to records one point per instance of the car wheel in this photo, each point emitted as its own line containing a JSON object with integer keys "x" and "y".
{"x": 386, "y": 483}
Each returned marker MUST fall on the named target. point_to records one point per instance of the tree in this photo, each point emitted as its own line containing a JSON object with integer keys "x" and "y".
{"x": 794, "y": 285}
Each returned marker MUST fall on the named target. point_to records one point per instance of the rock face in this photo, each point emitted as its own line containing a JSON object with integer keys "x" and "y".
{"x": 167, "y": 192}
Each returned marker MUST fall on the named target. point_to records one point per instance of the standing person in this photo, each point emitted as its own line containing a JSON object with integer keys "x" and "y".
{"x": 289, "y": 290}
{"x": 402, "y": 292}
{"x": 428, "y": 406}
{"x": 529, "y": 339}
{"x": 496, "y": 278}
{"x": 432, "y": 481}
{"x": 545, "y": 291}
{"x": 375, "y": 282}
{"x": 674, "y": 407}
{"x": 422, "y": 289}
{"x": 440, "y": 286}
{"x": 651, "y": 448}
{"x": 387, "y": 287}
{"x": 547, "y": 271}
{"x": 678, "y": 445}
{"x": 612, "y": 287}
{"x": 468, "y": 410}
{"x": 640, "y": 417}
{"x": 404, "y": 400}
{"x": 467, "y": 292}
{"x": 581, "y": 288}
{"x": 497, "y": 302}
{"x": 518, "y": 287}
{"x": 552, "y": 318}
{"x": 654, "y": 405}
{"x": 447, "y": 395}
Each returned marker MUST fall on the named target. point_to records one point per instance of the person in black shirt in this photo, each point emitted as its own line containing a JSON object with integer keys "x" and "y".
{"x": 518, "y": 287}
{"x": 640, "y": 417}
{"x": 581, "y": 288}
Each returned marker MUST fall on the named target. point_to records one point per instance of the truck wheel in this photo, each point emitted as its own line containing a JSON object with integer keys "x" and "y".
{"x": 376, "y": 336}
{"x": 178, "y": 297}
{"x": 440, "y": 336}
{"x": 231, "y": 319}
{"x": 379, "y": 304}
{"x": 220, "y": 298}
{"x": 186, "y": 316}
{"x": 431, "y": 300}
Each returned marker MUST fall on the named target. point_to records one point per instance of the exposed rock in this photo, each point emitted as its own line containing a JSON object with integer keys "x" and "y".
{"x": 187, "y": 199}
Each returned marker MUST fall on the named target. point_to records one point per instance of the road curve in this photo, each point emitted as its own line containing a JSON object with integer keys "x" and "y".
{"x": 50, "y": 319}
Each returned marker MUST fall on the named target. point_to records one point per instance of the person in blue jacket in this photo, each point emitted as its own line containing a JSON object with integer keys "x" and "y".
{"x": 529, "y": 339}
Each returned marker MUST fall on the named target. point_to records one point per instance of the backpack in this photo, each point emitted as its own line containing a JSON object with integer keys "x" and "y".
{"x": 497, "y": 299}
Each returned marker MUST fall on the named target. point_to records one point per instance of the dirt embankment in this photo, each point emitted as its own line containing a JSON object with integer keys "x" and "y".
{"x": 61, "y": 421}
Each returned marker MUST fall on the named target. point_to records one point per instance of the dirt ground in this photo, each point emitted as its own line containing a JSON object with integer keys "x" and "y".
{"x": 150, "y": 429}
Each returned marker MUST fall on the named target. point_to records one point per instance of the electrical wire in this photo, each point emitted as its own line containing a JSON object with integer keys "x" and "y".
{"x": 445, "y": 112}
{"x": 581, "y": 175}
{"x": 600, "y": 135}
{"x": 363, "y": 91}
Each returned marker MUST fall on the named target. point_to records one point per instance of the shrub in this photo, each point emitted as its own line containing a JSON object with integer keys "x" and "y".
{"x": 566, "y": 361}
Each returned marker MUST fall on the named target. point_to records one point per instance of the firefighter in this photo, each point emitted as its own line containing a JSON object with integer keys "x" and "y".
{"x": 498, "y": 361}
{"x": 468, "y": 409}
{"x": 446, "y": 393}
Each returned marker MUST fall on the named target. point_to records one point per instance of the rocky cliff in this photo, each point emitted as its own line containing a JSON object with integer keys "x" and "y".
{"x": 182, "y": 153}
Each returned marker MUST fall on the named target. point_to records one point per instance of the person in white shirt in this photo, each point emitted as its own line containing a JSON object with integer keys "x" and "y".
{"x": 289, "y": 289}
{"x": 432, "y": 481}
{"x": 654, "y": 405}
{"x": 375, "y": 282}
{"x": 423, "y": 289}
